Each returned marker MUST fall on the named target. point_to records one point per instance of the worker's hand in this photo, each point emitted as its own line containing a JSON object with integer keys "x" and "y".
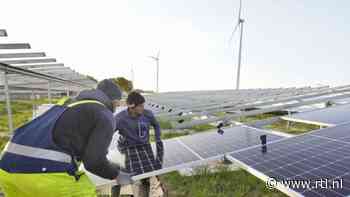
{"x": 124, "y": 178}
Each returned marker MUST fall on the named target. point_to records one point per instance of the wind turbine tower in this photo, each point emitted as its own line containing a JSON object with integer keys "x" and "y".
{"x": 239, "y": 26}
{"x": 156, "y": 59}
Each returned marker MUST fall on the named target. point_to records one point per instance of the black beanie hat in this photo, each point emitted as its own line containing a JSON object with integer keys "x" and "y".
{"x": 110, "y": 88}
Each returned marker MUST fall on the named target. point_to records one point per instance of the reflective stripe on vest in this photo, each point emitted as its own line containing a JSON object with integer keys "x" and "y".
{"x": 83, "y": 102}
{"x": 38, "y": 153}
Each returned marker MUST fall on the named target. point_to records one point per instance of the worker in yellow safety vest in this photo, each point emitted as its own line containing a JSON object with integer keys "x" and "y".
{"x": 43, "y": 156}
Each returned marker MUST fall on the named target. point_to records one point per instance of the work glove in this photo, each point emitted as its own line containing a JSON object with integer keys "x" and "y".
{"x": 124, "y": 178}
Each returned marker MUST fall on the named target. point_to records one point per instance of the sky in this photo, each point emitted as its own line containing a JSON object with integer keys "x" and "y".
{"x": 285, "y": 43}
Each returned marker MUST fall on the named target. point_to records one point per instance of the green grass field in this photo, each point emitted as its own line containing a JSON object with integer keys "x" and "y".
{"x": 222, "y": 183}
{"x": 22, "y": 112}
{"x": 164, "y": 124}
{"x": 249, "y": 119}
{"x": 294, "y": 128}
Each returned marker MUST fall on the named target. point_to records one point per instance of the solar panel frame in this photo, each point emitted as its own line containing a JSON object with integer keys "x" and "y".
{"x": 19, "y": 54}
{"x": 36, "y": 75}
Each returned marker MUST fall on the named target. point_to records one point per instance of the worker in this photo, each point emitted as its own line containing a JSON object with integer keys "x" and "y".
{"x": 133, "y": 125}
{"x": 43, "y": 156}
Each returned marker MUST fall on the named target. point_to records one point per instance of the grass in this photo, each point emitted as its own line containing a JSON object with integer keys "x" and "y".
{"x": 220, "y": 114}
{"x": 22, "y": 112}
{"x": 168, "y": 135}
{"x": 203, "y": 127}
{"x": 249, "y": 119}
{"x": 294, "y": 127}
{"x": 174, "y": 134}
{"x": 3, "y": 141}
{"x": 164, "y": 124}
{"x": 219, "y": 184}
{"x": 281, "y": 125}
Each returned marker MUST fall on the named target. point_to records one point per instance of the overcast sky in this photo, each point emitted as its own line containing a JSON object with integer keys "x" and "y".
{"x": 286, "y": 43}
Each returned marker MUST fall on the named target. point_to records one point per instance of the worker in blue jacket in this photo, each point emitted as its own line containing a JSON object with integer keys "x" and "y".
{"x": 43, "y": 156}
{"x": 133, "y": 125}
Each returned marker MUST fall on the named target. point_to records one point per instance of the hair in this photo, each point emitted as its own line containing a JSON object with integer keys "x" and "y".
{"x": 135, "y": 98}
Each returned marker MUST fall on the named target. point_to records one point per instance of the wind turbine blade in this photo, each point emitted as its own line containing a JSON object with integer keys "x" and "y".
{"x": 158, "y": 54}
{"x": 152, "y": 57}
{"x": 238, "y": 22}
{"x": 240, "y": 10}
{"x": 234, "y": 31}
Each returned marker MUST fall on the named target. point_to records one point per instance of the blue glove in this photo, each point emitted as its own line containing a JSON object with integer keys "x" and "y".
{"x": 124, "y": 178}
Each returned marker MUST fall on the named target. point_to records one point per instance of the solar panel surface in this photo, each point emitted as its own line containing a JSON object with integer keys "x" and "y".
{"x": 330, "y": 116}
{"x": 146, "y": 160}
{"x": 319, "y": 155}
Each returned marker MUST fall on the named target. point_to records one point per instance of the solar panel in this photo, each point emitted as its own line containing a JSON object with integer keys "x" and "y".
{"x": 205, "y": 100}
{"x": 270, "y": 108}
{"x": 28, "y": 61}
{"x": 22, "y": 55}
{"x": 187, "y": 151}
{"x": 15, "y": 46}
{"x": 144, "y": 162}
{"x": 320, "y": 155}
{"x": 145, "y": 158}
{"x": 211, "y": 144}
{"x": 330, "y": 116}
{"x": 141, "y": 159}
{"x": 41, "y": 65}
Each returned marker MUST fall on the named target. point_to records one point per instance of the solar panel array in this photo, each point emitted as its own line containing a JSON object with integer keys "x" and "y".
{"x": 27, "y": 69}
{"x": 25, "y": 72}
{"x": 201, "y": 100}
{"x": 316, "y": 156}
{"x": 252, "y": 102}
{"x": 186, "y": 151}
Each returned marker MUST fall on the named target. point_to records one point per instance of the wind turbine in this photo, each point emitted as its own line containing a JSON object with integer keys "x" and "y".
{"x": 239, "y": 25}
{"x": 156, "y": 58}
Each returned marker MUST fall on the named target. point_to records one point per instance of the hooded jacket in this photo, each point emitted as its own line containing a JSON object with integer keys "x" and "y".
{"x": 86, "y": 131}
{"x": 135, "y": 130}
